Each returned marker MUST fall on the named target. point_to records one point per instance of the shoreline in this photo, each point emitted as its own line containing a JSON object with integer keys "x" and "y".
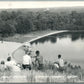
{"x": 22, "y": 38}
{"x": 38, "y": 37}
{"x": 56, "y": 32}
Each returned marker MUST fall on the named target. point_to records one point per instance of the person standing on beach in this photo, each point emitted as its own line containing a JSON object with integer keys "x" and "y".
{"x": 27, "y": 61}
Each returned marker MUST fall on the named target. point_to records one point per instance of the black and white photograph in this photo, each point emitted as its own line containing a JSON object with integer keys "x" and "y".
{"x": 41, "y": 42}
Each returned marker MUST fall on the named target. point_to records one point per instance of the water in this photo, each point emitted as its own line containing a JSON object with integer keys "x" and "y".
{"x": 69, "y": 44}
{"x": 7, "y": 48}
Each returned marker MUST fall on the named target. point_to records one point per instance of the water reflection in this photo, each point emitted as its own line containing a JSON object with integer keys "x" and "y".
{"x": 77, "y": 35}
{"x": 53, "y": 38}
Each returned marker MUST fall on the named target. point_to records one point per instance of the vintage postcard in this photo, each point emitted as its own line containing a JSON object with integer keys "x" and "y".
{"x": 41, "y": 41}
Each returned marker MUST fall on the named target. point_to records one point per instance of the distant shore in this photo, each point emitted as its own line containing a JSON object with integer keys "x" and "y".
{"x": 21, "y": 38}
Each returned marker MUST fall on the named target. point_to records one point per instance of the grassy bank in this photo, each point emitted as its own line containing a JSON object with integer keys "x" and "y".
{"x": 26, "y": 37}
{"x": 34, "y": 76}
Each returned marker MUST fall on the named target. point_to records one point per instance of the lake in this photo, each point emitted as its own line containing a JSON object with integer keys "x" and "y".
{"x": 69, "y": 44}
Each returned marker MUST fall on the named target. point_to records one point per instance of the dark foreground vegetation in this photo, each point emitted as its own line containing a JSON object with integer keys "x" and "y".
{"x": 47, "y": 74}
{"x": 22, "y": 22}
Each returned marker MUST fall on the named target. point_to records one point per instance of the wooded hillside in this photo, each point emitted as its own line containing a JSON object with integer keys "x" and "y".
{"x": 12, "y": 22}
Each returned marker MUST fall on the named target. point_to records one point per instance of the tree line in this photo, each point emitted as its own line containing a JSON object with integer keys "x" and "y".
{"x": 12, "y": 22}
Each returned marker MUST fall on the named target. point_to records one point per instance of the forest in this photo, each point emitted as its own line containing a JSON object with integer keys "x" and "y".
{"x": 20, "y": 22}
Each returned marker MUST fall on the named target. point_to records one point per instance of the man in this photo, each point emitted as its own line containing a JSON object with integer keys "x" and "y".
{"x": 60, "y": 63}
{"x": 39, "y": 60}
{"x": 27, "y": 47}
{"x": 27, "y": 61}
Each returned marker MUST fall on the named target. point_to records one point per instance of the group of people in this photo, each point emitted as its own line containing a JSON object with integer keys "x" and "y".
{"x": 64, "y": 66}
{"x": 9, "y": 65}
{"x": 38, "y": 63}
{"x": 27, "y": 62}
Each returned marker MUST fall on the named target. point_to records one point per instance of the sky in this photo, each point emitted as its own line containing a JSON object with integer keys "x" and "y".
{"x": 38, "y": 4}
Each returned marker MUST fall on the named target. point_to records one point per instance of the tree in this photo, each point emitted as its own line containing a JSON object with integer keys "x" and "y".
{"x": 24, "y": 25}
{"x": 8, "y": 29}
